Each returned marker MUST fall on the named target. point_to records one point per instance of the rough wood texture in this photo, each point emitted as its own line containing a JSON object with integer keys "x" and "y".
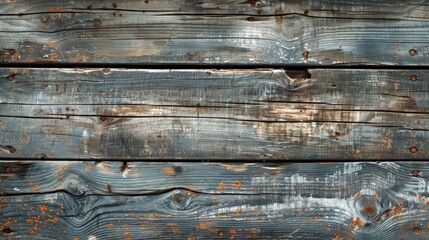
{"x": 110, "y": 200}
{"x": 214, "y": 114}
{"x": 215, "y": 32}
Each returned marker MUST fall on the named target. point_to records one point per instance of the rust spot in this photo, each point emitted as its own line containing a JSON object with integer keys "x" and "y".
{"x": 109, "y": 188}
{"x": 169, "y": 171}
{"x": 7, "y": 230}
{"x": 221, "y": 186}
{"x": 128, "y": 235}
{"x": 279, "y": 17}
{"x": 96, "y": 23}
{"x": 203, "y": 225}
{"x": 9, "y": 170}
{"x": 415, "y": 173}
{"x": 237, "y": 184}
{"x": 251, "y": 19}
{"x": 12, "y": 51}
{"x": 369, "y": 209}
{"x": 106, "y": 70}
{"x": 214, "y": 199}
{"x": 416, "y": 229}
{"x": 413, "y": 78}
{"x": 110, "y": 225}
{"x": 12, "y": 150}
{"x": 413, "y": 52}
{"x": 88, "y": 168}
{"x": 10, "y": 78}
{"x": 414, "y": 150}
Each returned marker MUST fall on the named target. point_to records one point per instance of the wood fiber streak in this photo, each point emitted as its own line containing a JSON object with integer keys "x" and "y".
{"x": 214, "y": 114}
{"x": 252, "y": 32}
{"x": 141, "y": 200}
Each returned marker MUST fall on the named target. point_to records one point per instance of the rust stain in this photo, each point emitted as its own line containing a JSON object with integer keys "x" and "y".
{"x": 237, "y": 184}
{"x": 169, "y": 171}
{"x": 203, "y": 225}
{"x": 235, "y": 168}
{"x": 338, "y": 238}
{"x": 214, "y": 199}
{"x": 128, "y": 235}
{"x": 110, "y": 225}
{"x": 279, "y": 17}
{"x": 36, "y": 188}
{"x": 88, "y": 168}
{"x": 43, "y": 208}
{"x": 221, "y": 186}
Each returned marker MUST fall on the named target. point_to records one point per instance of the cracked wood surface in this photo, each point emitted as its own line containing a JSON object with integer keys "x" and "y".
{"x": 327, "y": 114}
{"x": 254, "y": 32}
{"x": 144, "y": 200}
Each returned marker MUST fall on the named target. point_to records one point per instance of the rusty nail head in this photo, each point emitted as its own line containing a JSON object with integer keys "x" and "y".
{"x": 7, "y": 230}
{"x": 12, "y": 51}
{"x": 10, "y": 78}
{"x": 413, "y": 52}
{"x": 106, "y": 70}
{"x": 12, "y": 150}
{"x": 415, "y": 173}
{"x": 416, "y": 229}
{"x": 103, "y": 119}
{"x": 413, "y": 78}
{"x": 9, "y": 170}
{"x": 413, "y": 150}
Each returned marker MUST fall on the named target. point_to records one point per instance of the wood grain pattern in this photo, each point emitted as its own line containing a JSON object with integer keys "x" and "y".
{"x": 87, "y": 200}
{"x": 214, "y": 32}
{"x": 214, "y": 114}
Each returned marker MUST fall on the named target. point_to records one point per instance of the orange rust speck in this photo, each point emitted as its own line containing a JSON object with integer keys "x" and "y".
{"x": 232, "y": 231}
{"x": 125, "y": 225}
{"x": 214, "y": 199}
{"x": 338, "y": 238}
{"x": 36, "y": 188}
{"x": 203, "y": 225}
{"x": 29, "y": 221}
{"x": 397, "y": 209}
{"x": 413, "y": 150}
{"x": 88, "y": 168}
{"x": 369, "y": 209}
{"x": 110, "y": 225}
{"x": 221, "y": 186}
{"x": 43, "y": 208}
{"x": 127, "y": 235}
{"x": 64, "y": 232}
{"x": 75, "y": 238}
{"x": 169, "y": 171}
{"x": 355, "y": 222}
{"x": 237, "y": 184}
{"x": 151, "y": 216}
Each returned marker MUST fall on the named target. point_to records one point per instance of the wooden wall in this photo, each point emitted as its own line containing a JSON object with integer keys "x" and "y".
{"x": 204, "y": 119}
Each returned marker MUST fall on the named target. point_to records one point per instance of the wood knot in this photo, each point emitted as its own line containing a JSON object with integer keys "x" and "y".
{"x": 181, "y": 199}
{"x": 367, "y": 207}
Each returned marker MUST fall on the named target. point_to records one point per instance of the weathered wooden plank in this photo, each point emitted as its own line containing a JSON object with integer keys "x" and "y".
{"x": 215, "y": 32}
{"x": 87, "y": 200}
{"x": 206, "y": 114}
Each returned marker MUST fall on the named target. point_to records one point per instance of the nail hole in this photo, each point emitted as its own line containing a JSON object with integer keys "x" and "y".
{"x": 415, "y": 173}
{"x": 250, "y": 19}
{"x": 413, "y": 52}
{"x": 9, "y": 170}
{"x": 416, "y": 229}
{"x": 106, "y": 70}
{"x": 96, "y": 23}
{"x": 414, "y": 150}
{"x": 10, "y": 78}
{"x": 413, "y": 78}
{"x": 12, "y": 150}
{"x": 12, "y": 51}
{"x": 104, "y": 119}
{"x": 7, "y": 230}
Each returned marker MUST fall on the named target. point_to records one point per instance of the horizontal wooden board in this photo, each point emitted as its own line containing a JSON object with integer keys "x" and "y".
{"x": 143, "y": 200}
{"x": 214, "y": 114}
{"x": 214, "y": 32}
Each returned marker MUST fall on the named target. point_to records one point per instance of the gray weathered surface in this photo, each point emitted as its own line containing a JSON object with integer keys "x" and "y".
{"x": 215, "y": 32}
{"x": 77, "y": 200}
{"x": 214, "y": 114}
